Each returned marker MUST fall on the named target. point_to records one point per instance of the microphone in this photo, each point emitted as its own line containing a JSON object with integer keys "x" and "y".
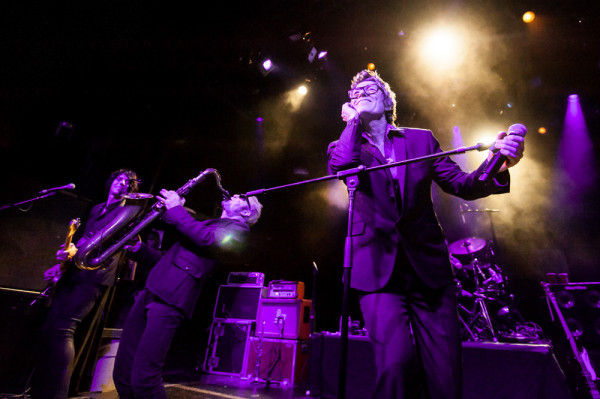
{"x": 70, "y": 186}
{"x": 498, "y": 159}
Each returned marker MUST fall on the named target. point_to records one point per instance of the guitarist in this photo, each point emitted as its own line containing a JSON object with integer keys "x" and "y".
{"x": 77, "y": 294}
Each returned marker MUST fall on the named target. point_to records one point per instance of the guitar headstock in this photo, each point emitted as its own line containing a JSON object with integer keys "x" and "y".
{"x": 74, "y": 225}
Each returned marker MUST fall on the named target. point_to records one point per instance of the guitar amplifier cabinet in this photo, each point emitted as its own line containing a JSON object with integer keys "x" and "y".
{"x": 281, "y": 360}
{"x": 284, "y": 318}
{"x": 227, "y": 347}
{"x": 237, "y": 302}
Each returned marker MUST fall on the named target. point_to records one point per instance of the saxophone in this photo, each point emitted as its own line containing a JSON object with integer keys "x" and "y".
{"x": 92, "y": 256}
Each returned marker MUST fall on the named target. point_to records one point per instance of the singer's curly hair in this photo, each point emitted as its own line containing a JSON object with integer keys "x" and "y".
{"x": 134, "y": 181}
{"x": 390, "y": 97}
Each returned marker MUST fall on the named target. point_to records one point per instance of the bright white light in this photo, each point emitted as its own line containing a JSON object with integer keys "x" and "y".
{"x": 302, "y": 90}
{"x": 322, "y": 55}
{"x": 442, "y": 48}
{"x": 267, "y": 64}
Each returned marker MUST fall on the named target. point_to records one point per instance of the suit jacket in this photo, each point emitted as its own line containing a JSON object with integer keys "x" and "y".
{"x": 389, "y": 218}
{"x": 178, "y": 276}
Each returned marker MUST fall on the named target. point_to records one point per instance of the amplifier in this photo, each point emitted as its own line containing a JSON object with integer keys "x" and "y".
{"x": 286, "y": 289}
{"x": 281, "y": 360}
{"x": 237, "y": 302}
{"x": 284, "y": 318}
{"x": 246, "y": 278}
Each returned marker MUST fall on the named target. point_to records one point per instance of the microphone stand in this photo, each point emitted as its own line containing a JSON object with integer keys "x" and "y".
{"x": 351, "y": 177}
{"x": 16, "y": 204}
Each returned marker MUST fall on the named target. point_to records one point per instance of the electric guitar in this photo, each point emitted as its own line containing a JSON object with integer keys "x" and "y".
{"x": 47, "y": 293}
{"x": 63, "y": 265}
{"x": 73, "y": 226}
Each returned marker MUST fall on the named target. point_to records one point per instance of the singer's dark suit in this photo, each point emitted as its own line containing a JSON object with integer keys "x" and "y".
{"x": 172, "y": 290}
{"x": 400, "y": 262}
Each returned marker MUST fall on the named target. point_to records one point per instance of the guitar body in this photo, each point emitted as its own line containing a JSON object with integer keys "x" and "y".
{"x": 63, "y": 265}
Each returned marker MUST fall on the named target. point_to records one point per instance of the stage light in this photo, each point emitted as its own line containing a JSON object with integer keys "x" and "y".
{"x": 302, "y": 90}
{"x": 528, "y": 17}
{"x": 266, "y": 66}
{"x": 442, "y": 48}
{"x": 371, "y": 66}
{"x": 322, "y": 54}
{"x": 576, "y": 158}
{"x": 542, "y": 130}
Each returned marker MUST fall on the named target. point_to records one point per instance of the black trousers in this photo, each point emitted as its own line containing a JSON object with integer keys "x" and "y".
{"x": 71, "y": 304}
{"x": 147, "y": 336}
{"x": 415, "y": 334}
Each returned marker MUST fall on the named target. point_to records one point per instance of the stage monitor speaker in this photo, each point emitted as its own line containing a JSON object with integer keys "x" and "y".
{"x": 490, "y": 370}
{"x": 281, "y": 360}
{"x": 235, "y": 302}
{"x": 284, "y": 318}
{"x": 227, "y": 347}
{"x": 512, "y": 371}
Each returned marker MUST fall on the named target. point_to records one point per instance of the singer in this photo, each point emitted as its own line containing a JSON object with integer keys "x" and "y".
{"x": 401, "y": 268}
{"x": 77, "y": 294}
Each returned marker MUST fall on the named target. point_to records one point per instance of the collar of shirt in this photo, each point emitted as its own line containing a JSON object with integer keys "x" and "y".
{"x": 390, "y": 131}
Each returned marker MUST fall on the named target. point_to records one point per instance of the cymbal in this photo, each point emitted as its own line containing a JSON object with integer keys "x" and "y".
{"x": 467, "y": 246}
{"x": 137, "y": 196}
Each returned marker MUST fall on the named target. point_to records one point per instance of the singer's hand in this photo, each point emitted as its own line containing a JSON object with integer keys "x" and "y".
{"x": 170, "y": 199}
{"x": 511, "y": 146}
{"x": 348, "y": 112}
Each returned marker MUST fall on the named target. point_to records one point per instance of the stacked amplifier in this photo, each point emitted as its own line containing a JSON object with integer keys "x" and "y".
{"x": 259, "y": 332}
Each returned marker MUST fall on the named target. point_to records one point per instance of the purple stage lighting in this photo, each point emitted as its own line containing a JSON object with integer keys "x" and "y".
{"x": 322, "y": 55}
{"x": 576, "y": 158}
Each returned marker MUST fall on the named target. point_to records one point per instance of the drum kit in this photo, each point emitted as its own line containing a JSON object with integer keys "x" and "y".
{"x": 485, "y": 306}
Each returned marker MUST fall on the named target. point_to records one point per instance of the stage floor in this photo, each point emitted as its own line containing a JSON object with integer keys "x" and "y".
{"x": 210, "y": 386}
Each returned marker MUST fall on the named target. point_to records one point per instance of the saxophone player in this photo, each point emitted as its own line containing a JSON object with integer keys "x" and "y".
{"x": 77, "y": 294}
{"x": 173, "y": 287}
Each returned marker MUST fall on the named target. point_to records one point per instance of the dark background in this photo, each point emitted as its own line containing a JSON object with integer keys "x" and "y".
{"x": 170, "y": 90}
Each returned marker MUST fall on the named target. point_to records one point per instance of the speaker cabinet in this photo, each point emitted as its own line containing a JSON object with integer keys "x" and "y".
{"x": 21, "y": 328}
{"x": 325, "y": 365}
{"x": 284, "y": 318}
{"x": 490, "y": 370}
{"x": 227, "y": 347}
{"x": 237, "y": 302}
{"x": 281, "y": 360}
{"x": 515, "y": 371}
